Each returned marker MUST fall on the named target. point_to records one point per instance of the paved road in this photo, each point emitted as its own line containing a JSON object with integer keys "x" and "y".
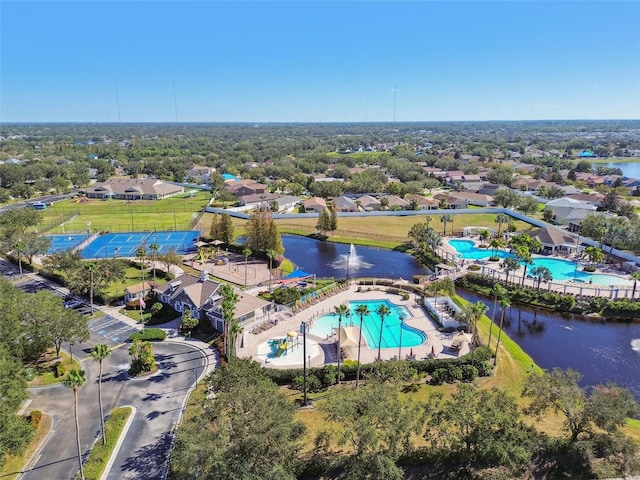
{"x": 158, "y": 399}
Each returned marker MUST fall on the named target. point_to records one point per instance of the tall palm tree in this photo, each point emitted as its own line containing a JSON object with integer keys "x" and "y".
{"x": 75, "y": 379}
{"x": 154, "y": 247}
{"x": 498, "y": 291}
{"x": 508, "y": 265}
{"x": 594, "y": 254}
{"x": 234, "y": 331}
{"x": 636, "y": 277}
{"x": 496, "y": 244}
{"x": 341, "y": 310}
{"x": 361, "y": 310}
{"x": 246, "y": 252}
{"x": 271, "y": 254}
{"x": 504, "y": 304}
{"x": 99, "y": 353}
{"x": 446, "y": 218}
{"x": 382, "y": 310}
{"x": 500, "y": 219}
{"x": 476, "y": 311}
{"x": 524, "y": 255}
{"x": 541, "y": 274}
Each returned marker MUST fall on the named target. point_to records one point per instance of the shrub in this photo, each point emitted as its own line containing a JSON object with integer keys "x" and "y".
{"x": 149, "y": 335}
{"x": 35, "y": 418}
{"x": 469, "y": 373}
{"x": 494, "y": 259}
{"x": 473, "y": 267}
{"x": 59, "y": 370}
{"x": 589, "y": 268}
{"x": 439, "y": 376}
{"x": 405, "y": 296}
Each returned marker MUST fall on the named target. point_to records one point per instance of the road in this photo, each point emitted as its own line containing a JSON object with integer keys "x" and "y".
{"x": 158, "y": 399}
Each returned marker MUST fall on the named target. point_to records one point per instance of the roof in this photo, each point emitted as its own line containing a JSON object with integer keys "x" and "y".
{"x": 139, "y": 287}
{"x": 552, "y": 236}
{"x": 143, "y": 186}
{"x": 570, "y": 203}
{"x": 315, "y": 201}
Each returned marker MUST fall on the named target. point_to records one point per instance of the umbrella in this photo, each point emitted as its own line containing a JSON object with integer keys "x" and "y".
{"x": 433, "y": 351}
{"x": 411, "y": 353}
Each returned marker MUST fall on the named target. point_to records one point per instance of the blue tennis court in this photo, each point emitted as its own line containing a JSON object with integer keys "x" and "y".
{"x": 111, "y": 245}
{"x": 65, "y": 242}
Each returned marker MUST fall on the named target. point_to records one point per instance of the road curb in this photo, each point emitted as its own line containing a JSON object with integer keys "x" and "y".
{"x": 118, "y": 445}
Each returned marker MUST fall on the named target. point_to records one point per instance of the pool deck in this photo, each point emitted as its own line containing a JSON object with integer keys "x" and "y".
{"x": 326, "y": 354}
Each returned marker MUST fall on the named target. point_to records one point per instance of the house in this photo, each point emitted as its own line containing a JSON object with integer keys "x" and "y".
{"x": 368, "y": 203}
{"x": 203, "y": 298}
{"x": 568, "y": 211}
{"x": 315, "y": 205}
{"x": 424, "y": 203}
{"x": 286, "y": 203}
{"x": 449, "y": 201}
{"x": 472, "y": 198}
{"x": 592, "y": 198}
{"x": 248, "y": 189}
{"x": 257, "y": 199}
{"x": 555, "y": 240}
{"x": 201, "y": 173}
{"x": 345, "y": 204}
{"x": 489, "y": 189}
{"x": 395, "y": 203}
{"x": 132, "y": 189}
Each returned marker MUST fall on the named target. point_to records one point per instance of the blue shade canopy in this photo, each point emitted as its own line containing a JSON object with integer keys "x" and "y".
{"x": 297, "y": 274}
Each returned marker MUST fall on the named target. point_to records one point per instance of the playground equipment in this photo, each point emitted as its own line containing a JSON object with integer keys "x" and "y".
{"x": 282, "y": 345}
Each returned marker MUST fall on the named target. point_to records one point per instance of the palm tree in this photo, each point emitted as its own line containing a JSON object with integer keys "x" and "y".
{"x": 75, "y": 379}
{"x": 524, "y": 255}
{"x": 271, "y": 254}
{"x": 19, "y": 248}
{"x": 382, "y": 310}
{"x": 92, "y": 268}
{"x": 500, "y": 219}
{"x": 508, "y": 265}
{"x": 234, "y": 331}
{"x": 361, "y": 310}
{"x": 498, "y": 291}
{"x": 246, "y": 252}
{"x": 504, "y": 304}
{"x": 496, "y": 244}
{"x": 474, "y": 313}
{"x": 541, "y": 274}
{"x": 636, "y": 277}
{"x": 154, "y": 247}
{"x": 341, "y": 310}
{"x": 446, "y": 218}
{"x": 99, "y": 353}
{"x": 594, "y": 254}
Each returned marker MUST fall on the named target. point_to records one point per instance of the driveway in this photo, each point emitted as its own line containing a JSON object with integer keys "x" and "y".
{"x": 159, "y": 400}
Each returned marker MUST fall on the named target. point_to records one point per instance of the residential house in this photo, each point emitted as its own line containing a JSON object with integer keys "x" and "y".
{"x": 368, "y": 203}
{"x": 315, "y": 205}
{"x": 396, "y": 203}
{"x": 199, "y": 173}
{"x": 257, "y": 199}
{"x": 249, "y": 189}
{"x": 132, "y": 189}
{"x": 345, "y": 204}
{"x": 424, "y": 203}
{"x": 592, "y": 198}
{"x": 450, "y": 202}
{"x": 570, "y": 212}
{"x": 472, "y": 198}
{"x": 286, "y": 203}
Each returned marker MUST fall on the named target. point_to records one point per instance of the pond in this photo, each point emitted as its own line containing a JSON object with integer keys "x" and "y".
{"x": 601, "y": 351}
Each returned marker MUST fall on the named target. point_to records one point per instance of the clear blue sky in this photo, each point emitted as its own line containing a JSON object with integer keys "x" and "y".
{"x": 329, "y": 61}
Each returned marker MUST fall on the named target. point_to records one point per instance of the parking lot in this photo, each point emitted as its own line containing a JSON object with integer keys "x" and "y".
{"x": 111, "y": 328}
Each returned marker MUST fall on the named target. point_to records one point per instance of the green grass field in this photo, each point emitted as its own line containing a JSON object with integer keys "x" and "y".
{"x": 176, "y": 213}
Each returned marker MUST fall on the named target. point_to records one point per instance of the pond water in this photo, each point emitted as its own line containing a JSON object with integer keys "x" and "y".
{"x": 326, "y": 259}
{"x": 601, "y": 351}
{"x": 629, "y": 169}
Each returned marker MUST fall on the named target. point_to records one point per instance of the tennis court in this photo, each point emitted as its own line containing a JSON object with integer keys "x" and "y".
{"x": 111, "y": 245}
{"x": 65, "y": 242}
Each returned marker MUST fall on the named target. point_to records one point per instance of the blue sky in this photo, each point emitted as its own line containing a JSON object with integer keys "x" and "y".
{"x": 329, "y": 61}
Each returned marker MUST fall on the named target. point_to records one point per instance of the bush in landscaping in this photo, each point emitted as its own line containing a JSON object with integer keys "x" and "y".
{"x": 285, "y": 296}
{"x": 589, "y": 268}
{"x": 35, "y": 418}
{"x": 473, "y": 267}
{"x": 149, "y": 335}
{"x": 59, "y": 370}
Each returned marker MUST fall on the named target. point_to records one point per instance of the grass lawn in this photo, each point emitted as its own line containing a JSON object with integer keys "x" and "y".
{"x": 132, "y": 276}
{"x": 14, "y": 464}
{"x": 44, "y": 368}
{"x": 100, "y": 453}
{"x": 165, "y": 315}
{"x": 174, "y": 213}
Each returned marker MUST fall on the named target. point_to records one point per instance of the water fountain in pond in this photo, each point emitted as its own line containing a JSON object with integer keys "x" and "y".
{"x": 350, "y": 261}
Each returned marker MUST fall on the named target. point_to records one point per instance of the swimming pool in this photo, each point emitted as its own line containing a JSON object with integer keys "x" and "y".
{"x": 561, "y": 269}
{"x": 411, "y": 337}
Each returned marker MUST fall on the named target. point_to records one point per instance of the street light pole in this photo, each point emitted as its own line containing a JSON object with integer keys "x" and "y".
{"x": 400, "y": 346}
{"x": 303, "y": 330}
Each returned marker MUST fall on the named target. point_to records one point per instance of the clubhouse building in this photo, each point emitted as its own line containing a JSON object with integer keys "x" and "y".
{"x": 132, "y": 189}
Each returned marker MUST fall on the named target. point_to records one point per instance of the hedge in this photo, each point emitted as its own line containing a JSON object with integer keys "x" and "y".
{"x": 149, "y": 335}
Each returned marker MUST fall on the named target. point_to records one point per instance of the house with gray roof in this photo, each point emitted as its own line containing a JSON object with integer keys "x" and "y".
{"x": 568, "y": 211}
{"x": 369, "y": 203}
{"x": 345, "y": 204}
{"x": 555, "y": 240}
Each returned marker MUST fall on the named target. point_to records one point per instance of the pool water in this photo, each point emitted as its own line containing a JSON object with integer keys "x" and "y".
{"x": 561, "y": 269}
{"x": 324, "y": 326}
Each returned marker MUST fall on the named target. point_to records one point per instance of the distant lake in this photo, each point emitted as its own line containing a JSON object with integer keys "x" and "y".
{"x": 631, "y": 169}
